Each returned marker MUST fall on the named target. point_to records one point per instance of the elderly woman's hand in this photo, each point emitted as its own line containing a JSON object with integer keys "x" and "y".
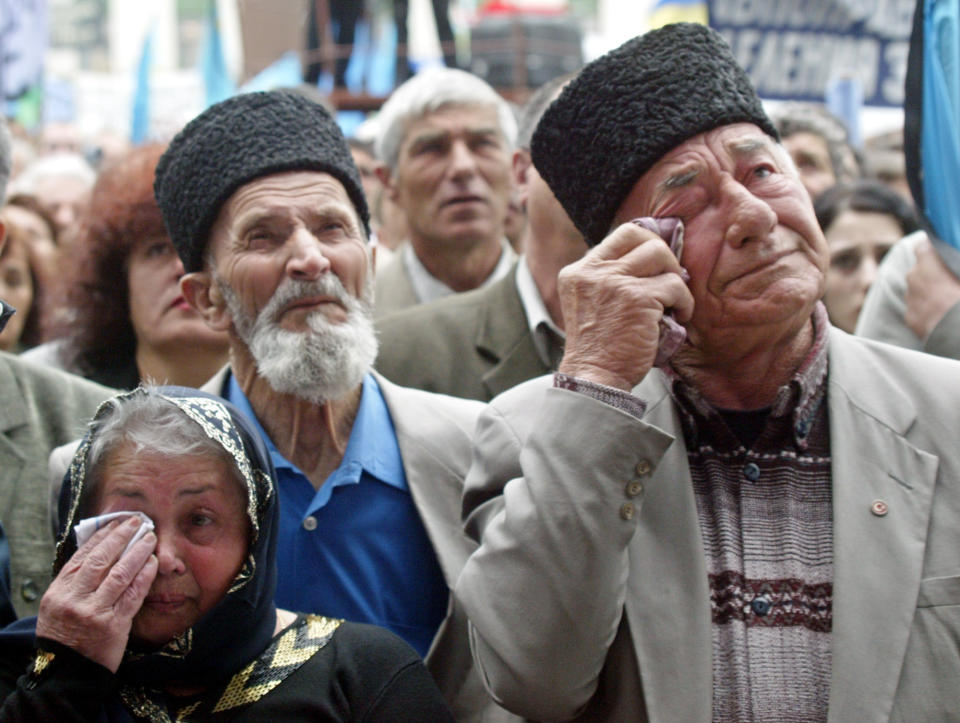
{"x": 91, "y": 603}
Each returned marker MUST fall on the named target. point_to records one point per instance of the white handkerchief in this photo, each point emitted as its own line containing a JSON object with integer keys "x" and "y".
{"x": 85, "y": 528}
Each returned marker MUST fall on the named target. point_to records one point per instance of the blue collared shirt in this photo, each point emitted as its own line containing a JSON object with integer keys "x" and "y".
{"x": 357, "y": 548}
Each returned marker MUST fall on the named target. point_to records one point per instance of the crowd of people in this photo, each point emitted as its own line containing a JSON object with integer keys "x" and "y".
{"x": 566, "y": 411}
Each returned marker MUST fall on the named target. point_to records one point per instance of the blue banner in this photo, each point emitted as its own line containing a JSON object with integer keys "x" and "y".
{"x": 795, "y": 49}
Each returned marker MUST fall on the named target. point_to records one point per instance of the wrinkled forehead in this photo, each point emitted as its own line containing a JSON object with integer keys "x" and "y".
{"x": 728, "y": 142}
{"x": 286, "y": 194}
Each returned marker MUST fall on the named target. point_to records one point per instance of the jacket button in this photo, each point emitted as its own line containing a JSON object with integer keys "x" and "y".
{"x": 879, "y": 508}
{"x": 28, "y": 590}
{"x": 644, "y": 467}
{"x": 627, "y": 511}
{"x": 634, "y": 488}
{"x": 760, "y": 606}
{"x": 310, "y": 523}
{"x": 751, "y": 472}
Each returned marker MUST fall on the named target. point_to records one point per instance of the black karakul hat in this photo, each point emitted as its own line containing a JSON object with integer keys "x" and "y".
{"x": 627, "y": 109}
{"x": 237, "y": 141}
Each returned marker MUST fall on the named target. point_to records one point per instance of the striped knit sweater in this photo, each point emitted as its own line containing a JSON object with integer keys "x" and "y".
{"x": 767, "y": 526}
{"x": 766, "y": 520}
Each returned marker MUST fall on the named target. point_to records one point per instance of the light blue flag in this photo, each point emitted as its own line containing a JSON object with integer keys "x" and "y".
{"x": 140, "y": 117}
{"x": 940, "y": 136}
{"x": 216, "y": 80}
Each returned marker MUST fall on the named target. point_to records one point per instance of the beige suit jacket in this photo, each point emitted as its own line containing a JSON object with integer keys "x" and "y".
{"x": 394, "y": 290}
{"x": 474, "y": 345}
{"x": 576, "y": 609}
{"x": 434, "y": 432}
{"x": 40, "y": 408}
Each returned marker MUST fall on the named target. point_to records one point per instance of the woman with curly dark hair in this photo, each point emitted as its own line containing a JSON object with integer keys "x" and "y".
{"x": 126, "y": 320}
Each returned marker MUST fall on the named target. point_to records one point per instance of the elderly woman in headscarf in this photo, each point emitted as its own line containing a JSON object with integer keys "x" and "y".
{"x": 162, "y": 606}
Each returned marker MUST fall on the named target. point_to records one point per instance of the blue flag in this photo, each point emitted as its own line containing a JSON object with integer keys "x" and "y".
{"x": 140, "y": 117}
{"x": 940, "y": 143}
{"x": 216, "y": 79}
{"x": 931, "y": 134}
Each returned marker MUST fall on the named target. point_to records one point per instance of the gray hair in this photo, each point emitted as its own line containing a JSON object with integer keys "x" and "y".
{"x": 6, "y": 159}
{"x": 152, "y": 425}
{"x": 428, "y": 92}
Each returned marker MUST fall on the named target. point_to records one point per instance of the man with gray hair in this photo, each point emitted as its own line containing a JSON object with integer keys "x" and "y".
{"x": 40, "y": 408}
{"x": 720, "y": 507}
{"x": 482, "y": 342}
{"x": 265, "y": 207}
{"x": 445, "y": 144}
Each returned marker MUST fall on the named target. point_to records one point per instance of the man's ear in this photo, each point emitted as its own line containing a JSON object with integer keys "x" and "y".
{"x": 200, "y": 291}
{"x": 521, "y": 174}
{"x": 3, "y": 234}
{"x": 386, "y": 180}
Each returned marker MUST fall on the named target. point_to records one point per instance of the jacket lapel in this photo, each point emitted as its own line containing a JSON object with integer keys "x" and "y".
{"x": 668, "y": 601}
{"x": 503, "y": 335}
{"x": 882, "y": 492}
{"x": 427, "y": 438}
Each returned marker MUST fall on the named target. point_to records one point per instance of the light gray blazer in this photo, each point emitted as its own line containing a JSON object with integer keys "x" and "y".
{"x": 434, "y": 433}
{"x": 575, "y": 608}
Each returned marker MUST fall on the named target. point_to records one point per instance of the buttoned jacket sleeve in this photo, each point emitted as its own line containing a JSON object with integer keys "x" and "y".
{"x": 553, "y": 496}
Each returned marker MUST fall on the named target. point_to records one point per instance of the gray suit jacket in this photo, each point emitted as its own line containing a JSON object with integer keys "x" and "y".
{"x": 434, "y": 433}
{"x": 394, "y": 290}
{"x": 576, "y": 609}
{"x": 40, "y": 408}
{"x": 473, "y": 345}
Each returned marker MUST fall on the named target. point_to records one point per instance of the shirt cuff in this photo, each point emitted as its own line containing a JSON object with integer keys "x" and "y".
{"x": 617, "y": 398}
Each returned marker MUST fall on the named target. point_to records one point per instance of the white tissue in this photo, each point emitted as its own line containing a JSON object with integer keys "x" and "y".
{"x": 85, "y": 528}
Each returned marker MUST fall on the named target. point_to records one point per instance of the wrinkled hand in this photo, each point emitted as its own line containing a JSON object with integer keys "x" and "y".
{"x": 91, "y": 603}
{"x": 931, "y": 290}
{"x": 613, "y": 300}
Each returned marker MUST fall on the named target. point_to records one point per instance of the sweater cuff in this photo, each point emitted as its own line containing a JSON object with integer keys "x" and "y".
{"x": 617, "y": 398}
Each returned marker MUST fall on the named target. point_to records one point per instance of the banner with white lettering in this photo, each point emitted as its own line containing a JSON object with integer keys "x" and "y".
{"x": 795, "y": 49}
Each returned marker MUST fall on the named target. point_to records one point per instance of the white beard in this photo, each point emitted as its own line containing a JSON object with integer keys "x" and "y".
{"x": 318, "y": 365}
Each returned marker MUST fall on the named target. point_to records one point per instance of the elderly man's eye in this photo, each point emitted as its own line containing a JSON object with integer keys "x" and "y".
{"x": 328, "y": 226}
{"x": 763, "y": 171}
{"x": 260, "y": 237}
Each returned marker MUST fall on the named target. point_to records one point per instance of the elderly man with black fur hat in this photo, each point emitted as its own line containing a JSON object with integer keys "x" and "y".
{"x": 720, "y": 507}
{"x": 265, "y": 206}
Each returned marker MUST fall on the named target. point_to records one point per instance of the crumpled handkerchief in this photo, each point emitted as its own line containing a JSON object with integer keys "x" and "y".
{"x": 672, "y": 335}
{"x": 84, "y": 529}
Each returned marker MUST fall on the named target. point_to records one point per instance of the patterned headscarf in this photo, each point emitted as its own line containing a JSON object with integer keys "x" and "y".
{"x": 238, "y": 628}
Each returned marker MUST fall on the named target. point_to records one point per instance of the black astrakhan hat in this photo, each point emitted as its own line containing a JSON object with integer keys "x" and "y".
{"x": 628, "y": 108}
{"x": 234, "y": 142}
